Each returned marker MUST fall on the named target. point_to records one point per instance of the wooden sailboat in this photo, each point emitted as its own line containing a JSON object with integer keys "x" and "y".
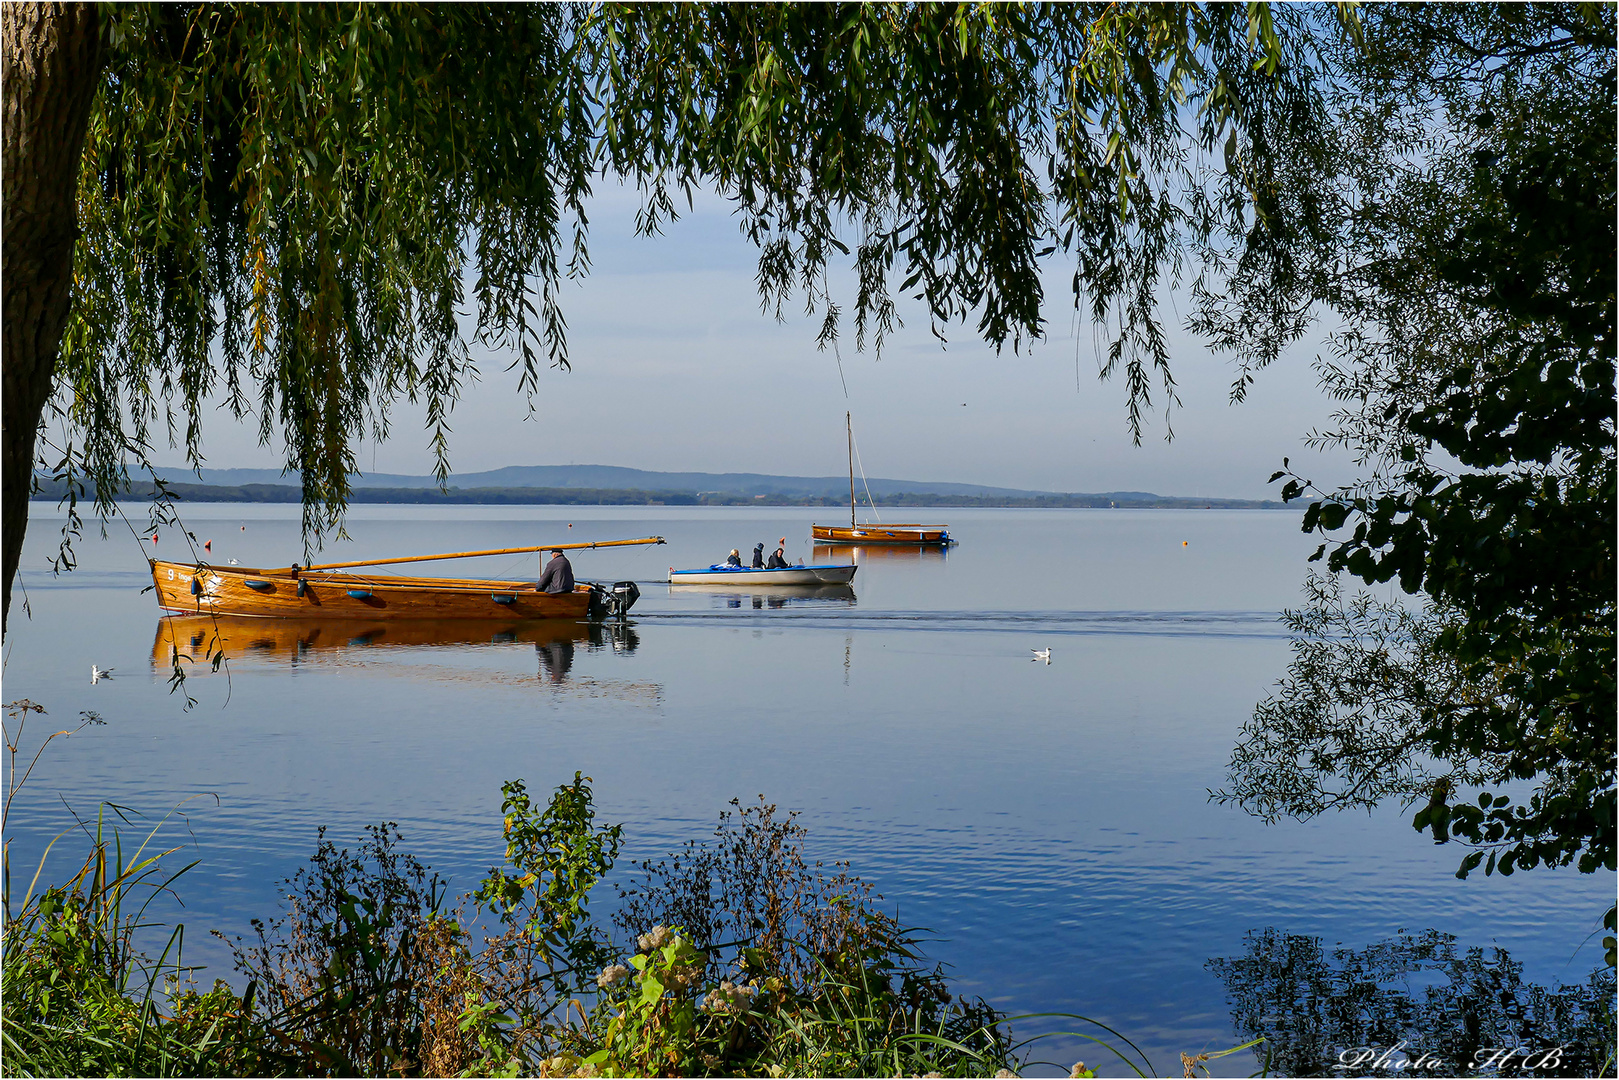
{"x": 317, "y": 592}
{"x": 875, "y": 534}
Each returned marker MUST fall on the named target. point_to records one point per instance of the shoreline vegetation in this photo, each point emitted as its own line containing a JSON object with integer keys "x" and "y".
{"x": 57, "y": 490}
{"x": 732, "y": 957}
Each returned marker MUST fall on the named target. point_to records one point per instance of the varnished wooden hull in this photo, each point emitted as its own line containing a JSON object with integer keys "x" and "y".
{"x": 874, "y": 535}
{"x": 285, "y": 593}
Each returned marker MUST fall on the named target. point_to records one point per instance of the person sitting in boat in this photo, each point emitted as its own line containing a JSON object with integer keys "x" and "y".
{"x": 759, "y": 556}
{"x": 777, "y": 562}
{"x": 734, "y": 559}
{"x": 557, "y": 577}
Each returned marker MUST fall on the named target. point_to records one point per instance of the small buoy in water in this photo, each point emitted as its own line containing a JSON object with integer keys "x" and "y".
{"x": 1183, "y": 543}
{"x": 154, "y": 538}
{"x": 244, "y": 528}
{"x": 207, "y": 545}
{"x": 570, "y": 524}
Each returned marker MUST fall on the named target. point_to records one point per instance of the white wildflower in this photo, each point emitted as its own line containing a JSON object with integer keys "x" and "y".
{"x": 1078, "y": 1069}
{"x": 729, "y": 998}
{"x": 656, "y": 938}
{"x": 1005, "y": 1073}
{"x": 616, "y": 973}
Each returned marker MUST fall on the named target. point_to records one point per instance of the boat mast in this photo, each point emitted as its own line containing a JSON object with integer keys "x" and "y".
{"x": 849, "y": 426}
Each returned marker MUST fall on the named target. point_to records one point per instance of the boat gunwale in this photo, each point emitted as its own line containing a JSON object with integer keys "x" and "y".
{"x": 325, "y": 577}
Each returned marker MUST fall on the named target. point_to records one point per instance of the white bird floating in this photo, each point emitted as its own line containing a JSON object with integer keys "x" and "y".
{"x": 97, "y": 674}
{"x": 233, "y": 562}
{"x": 1040, "y": 654}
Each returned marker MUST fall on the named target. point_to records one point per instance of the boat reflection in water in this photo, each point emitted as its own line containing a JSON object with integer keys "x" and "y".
{"x": 769, "y": 596}
{"x": 191, "y": 642}
{"x": 917, "y": 554}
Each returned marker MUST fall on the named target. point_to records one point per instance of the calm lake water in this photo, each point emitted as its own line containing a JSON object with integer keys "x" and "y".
{"x": 1048, "y": 823}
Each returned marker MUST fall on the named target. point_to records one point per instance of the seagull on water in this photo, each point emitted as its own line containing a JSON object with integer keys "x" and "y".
{"x": 1040, "y": 654}
{"x": 97, "y": 674}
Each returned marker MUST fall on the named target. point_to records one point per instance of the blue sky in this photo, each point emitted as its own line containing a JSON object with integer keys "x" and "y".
{"x": 676, "y": 368}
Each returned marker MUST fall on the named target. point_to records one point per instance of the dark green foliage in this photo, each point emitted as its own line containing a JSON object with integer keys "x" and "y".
{"x": 1464, "y": 239}
{"x": 1521, "y": 546}
{"x": 1321, "y": 1012}
{"x": 341, "y": 977}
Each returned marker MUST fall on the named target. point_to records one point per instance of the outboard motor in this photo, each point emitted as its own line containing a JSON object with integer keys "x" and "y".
{"x": 613, "y": 601}
{"x": 621, "y": 597}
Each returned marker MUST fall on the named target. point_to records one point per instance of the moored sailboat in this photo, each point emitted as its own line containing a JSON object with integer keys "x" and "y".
{"x": 875, "y": 533}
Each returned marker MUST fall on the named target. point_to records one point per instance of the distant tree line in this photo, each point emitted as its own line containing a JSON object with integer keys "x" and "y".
{"x": 552, "y": 496}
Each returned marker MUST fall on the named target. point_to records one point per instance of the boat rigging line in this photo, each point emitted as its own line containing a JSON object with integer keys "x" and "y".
{"x": 854, "y": 450}
{"x": 492, "y": 551}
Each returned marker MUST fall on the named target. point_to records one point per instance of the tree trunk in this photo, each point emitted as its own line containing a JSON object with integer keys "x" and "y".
{"x": 52, "y": 60}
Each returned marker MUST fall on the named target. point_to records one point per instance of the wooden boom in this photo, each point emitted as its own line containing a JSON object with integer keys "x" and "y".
{"x": 494, "y": 551}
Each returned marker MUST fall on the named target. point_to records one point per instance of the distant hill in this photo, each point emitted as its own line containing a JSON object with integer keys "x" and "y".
{"x": 611, "y": 485}
{"x": 617, "y": 478}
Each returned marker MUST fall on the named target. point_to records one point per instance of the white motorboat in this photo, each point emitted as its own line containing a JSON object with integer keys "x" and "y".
{"x": 742, "y": 575}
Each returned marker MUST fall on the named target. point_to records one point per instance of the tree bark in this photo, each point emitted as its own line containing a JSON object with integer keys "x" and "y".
{"x": 52, "y": 60}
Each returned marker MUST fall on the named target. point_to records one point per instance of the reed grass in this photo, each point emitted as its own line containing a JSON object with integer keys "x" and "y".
{"x": 82, "y": 999}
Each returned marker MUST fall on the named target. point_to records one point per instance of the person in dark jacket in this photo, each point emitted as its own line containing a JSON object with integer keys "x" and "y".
{"x": 758, "y": 556}
{"x": 777, "y": 562}
{"x": 734, "y": 559}
{"x": 557, "y": 577}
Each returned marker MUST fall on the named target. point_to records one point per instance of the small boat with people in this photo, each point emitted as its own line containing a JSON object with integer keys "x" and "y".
{"x": 725, "y": 574}
{"x": 321, "y": 591}
{"x": 876, "y": 534}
